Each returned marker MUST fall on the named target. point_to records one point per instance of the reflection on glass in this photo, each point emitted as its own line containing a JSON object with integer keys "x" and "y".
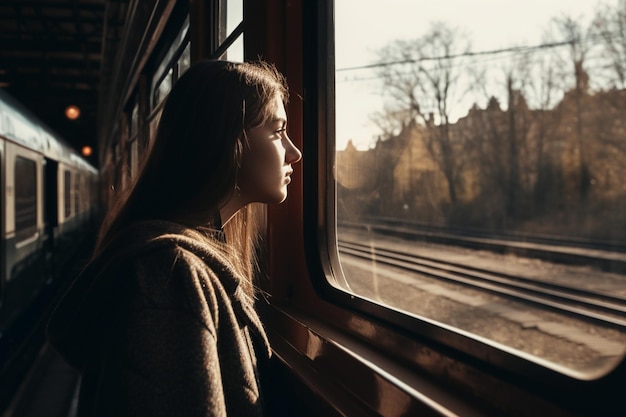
{"x": 163, "y": 75}
{"x": 492, "y": 141}
{"x": 133, "y": 156}
{"x": 134, "y": 120}
{"x": 184, "y": 62}
{"x": 164, "y": 87}
{"x": 154, "y": 123}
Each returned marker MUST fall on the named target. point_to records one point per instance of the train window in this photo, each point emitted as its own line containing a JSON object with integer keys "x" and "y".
{"x": 170, "y": 66}
{"x": 479, "y": 165}
{"x": 230, "y": 38}
{"x": 67, "y": 193}
{"x": 166, "y": 72}
{"x": 235, "y": 51}
{"x": 133, "y": 157}
{"x": 154, "y": 123}
{"x": 133, "y": 138}
{"x": 184, "y": 62}
{"x": 25, "y": 198}
{"x": 232, "y": 13}
{"x": 163, "y": 87}
{"x": 134, "y": 120}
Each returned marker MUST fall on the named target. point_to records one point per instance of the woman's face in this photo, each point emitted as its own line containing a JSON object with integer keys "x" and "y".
{"x": 266, "y": 166}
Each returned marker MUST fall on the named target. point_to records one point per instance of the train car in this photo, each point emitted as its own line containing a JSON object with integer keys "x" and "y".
{"x": 49, "y": 200}
{"x": 439, "y": 263}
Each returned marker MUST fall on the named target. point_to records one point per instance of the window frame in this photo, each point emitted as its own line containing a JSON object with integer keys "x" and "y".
{"x": 335, "y": 286}
{"x": 210, "y": 27}
{"x": 164, "y": 63}
{"x": 308, "y": 309}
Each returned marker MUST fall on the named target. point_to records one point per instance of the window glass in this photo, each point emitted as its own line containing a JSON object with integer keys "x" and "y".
{"x": 134, "y": 120}
{"x": 133, "y": 155}
{"x": 163, "y": 76}
{"x": 480, "y": 158}
{"x": 235, "y": 51}
{"x": 25, "y": 198}
{"x": 233, "y": 10}
{"x": 164, "y": 87}
{"x": 154, "y": 124}
{"x": 184, "y": 62}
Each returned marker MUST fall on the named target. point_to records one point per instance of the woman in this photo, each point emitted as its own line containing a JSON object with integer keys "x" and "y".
{"x": 162, "y": 320}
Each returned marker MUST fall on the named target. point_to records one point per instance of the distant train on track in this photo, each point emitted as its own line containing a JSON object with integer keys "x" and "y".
{"x": 48, "y": 202}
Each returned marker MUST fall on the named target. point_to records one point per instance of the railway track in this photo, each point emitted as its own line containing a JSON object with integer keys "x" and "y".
{"x": 589, "y": 305}
{"x": 609, "y": 257}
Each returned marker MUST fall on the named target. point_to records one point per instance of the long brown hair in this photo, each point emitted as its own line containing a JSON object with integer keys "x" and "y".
{"x": 192, "y": 168}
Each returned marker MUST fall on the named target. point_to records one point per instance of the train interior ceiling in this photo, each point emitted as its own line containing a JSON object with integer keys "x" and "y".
{"x": 454, "y": 240}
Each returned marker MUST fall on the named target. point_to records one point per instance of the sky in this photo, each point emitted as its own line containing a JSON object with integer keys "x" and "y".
{"x": 364, "y": 26}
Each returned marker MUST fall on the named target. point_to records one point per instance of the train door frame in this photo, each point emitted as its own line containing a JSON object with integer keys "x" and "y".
{"x": 63, "y": 217}
{"x": 2, "y": 223}
{"x": 51, "y": 214}
{"x": 23, "y": 261}
{"x": 12, "y": 152}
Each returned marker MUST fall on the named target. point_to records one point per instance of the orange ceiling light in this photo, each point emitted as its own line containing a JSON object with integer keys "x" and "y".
{"x": 72, "y": 112}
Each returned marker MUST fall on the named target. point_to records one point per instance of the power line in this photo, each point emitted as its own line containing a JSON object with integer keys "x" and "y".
{"x": 515, "y": 49}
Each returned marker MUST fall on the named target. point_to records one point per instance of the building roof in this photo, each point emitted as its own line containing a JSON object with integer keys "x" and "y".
{"x": 50, "y": 58}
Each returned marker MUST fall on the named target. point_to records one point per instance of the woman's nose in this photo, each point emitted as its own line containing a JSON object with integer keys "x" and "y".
{"x": 292, "y": 154}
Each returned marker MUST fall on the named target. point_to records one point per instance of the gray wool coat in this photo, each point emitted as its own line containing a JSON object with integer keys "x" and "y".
{"x": 159, "y": 326}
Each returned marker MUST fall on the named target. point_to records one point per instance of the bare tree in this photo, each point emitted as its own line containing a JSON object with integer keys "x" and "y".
{"x": 610, "y": 26}
{"x": 391, "y": 121}
{"x": 499, "y": 138}
{"x": 542, "y": 90}
{"x": 420, "y": 77}
{"x": 579, "y": 46}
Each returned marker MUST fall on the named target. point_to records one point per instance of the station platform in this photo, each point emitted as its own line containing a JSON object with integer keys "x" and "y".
{"x": 50, "y": 389}
{"x": 35, "y": 380}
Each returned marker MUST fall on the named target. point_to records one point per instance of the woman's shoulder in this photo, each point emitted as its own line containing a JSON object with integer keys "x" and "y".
{"x": 148, "y": 241}
{"x": 175, "y": 251}
{"x": 187, "y": 249}
{"x": 172, "y": 276}
{"x": 172, "y": 256}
